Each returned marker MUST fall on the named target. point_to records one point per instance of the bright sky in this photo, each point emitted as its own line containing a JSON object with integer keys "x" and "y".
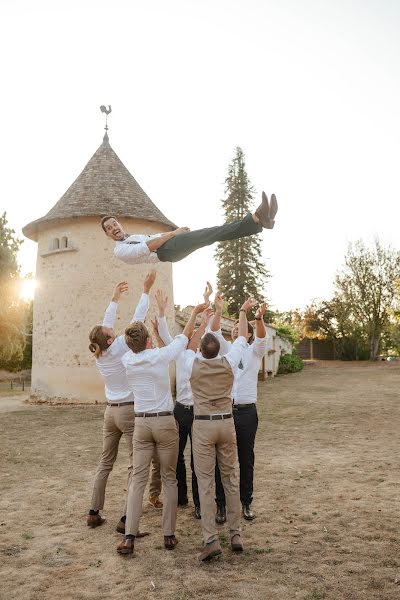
{"x": 310, "y": 90}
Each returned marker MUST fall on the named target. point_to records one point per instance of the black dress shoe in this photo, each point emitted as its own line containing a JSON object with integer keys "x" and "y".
{"x": 220, "y": 517}
{"x": 248, "y": 512}
{"x": 197, "y": 513}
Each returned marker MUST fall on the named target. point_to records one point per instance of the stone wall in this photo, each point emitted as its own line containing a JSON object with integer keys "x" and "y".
{"x": 74, "y": 285}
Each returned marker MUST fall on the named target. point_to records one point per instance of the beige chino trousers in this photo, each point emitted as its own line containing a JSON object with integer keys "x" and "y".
{"x": 211, "y": 440}
{"x": 160, "y": 435}
{"x": 119, "y": 421}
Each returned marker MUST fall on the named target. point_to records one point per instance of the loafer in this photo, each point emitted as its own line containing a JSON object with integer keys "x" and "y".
{"x": 220, "y": 517}
{"x": 155, "y": 501}
{"x": 197, "y": 512}
{"x": 126, "y": 547}
{"x": 248, "y": 512}
{"x": 236, "y": 543}
{"x": 170, "y": 541}
{"x": 210, "y": 551}
{"x": 95, "y": 521}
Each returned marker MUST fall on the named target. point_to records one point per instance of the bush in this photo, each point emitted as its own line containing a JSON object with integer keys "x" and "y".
{"x": 290, "y": 363}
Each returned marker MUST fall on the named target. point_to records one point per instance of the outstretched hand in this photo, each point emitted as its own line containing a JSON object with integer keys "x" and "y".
{"x": 200, "y": 307}
{"x": 205, "y": 317}
{"x": 219, "y": 302}
{"x": 119, "y": 289}
{"x": 261, "y": 310}
{"x": 207, "y": 292}
{"x": 149, "y": 281}
{"x": 248, "y": 304}
{"x": 162, "y": 302}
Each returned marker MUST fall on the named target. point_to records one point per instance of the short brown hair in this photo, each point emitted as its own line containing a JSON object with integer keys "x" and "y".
{"x": 98, "y": 340}
{"x": 136, "y": 336}
{"x": 106, "y": 218}
{"x": 209, "y": 346}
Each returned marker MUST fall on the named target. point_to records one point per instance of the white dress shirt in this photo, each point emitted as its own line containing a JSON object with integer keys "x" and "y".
{"x": 134, "y": 254}
{"x": 148, "y": 375}
{"x": 109, "y": 363}
{"x": 183, "y": 388}
{"x": 244, "y": 389}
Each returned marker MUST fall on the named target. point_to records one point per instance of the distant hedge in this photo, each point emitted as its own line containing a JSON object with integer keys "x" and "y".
{"x": 290, "y": 363}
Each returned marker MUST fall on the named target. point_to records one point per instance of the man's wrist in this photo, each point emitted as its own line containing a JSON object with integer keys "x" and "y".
{"x": 243, "y": 309}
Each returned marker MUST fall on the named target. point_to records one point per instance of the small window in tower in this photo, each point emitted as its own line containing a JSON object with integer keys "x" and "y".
{"x": 55, "y": 244}
{"x": 64, "y": 242}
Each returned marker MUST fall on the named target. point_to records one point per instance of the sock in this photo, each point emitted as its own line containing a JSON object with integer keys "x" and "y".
{"x": 93, "y": 512}
{"x": 123, "y": 519}
{"x": 129, "y": 537}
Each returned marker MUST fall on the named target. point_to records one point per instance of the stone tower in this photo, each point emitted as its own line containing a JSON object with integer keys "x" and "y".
{"x": 76, "y": 273}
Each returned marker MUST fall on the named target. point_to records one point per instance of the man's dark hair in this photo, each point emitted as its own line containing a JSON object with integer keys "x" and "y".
{"x": 106, "y": 218}
{"x": 209, "y": 346}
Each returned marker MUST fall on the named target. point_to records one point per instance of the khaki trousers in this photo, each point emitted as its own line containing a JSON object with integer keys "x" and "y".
{"x": 152, "y": 434}
{"x": 119, "y": 421}
{"x": 211, "y": 440}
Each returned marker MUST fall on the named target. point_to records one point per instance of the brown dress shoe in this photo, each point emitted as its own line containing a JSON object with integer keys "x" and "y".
{"x": 170, "y": 541}
{"x": 155, "y": 501}
{"x": 267, "y": 211}
{"x": 236, "y": 543}
{"x": 126, "y": 547}
{"x": 121, "y": 529}
{"x": 210, "y": 551}
{"x": 95, "y": 521}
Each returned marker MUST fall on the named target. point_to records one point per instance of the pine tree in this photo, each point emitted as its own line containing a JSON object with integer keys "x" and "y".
{"x": 241, "y": 270}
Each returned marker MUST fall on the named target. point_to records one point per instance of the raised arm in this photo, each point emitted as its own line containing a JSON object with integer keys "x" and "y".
{"x": 160, "y": 341}
{"x": 194, "y": 342}
{"x": 162, "y": 328}
{"x": 246, "y": 306}
{"x": 189, "y": 328}
{"x": 144, "y": 302}
{"x": 219, "y": 305}
{"x": 259, "y": 345}
{"x": 111, "y": 311}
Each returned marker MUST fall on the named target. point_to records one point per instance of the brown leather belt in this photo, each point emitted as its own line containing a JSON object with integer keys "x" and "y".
{"x": 238, "y": 406}
{"x": 119, "y": 403}
{"x": 212, "y": 417}
{"x": 156, "y": 414}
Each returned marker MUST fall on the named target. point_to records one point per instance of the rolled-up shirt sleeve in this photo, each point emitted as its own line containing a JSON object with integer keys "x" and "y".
{"x": 110, "y": 314}
{"x": 235, "y": 353}
{"x": 259, "y": 346}
{"x": 135, "y": 253}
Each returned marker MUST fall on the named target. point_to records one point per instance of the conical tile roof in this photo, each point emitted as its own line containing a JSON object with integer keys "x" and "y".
{"x": 105, "y": 187}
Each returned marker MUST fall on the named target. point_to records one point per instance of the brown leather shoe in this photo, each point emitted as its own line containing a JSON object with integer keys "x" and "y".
{"x": 236, "y": 543}
{"x": 121, "y": 529}
{"x": 155, "y": 501}
{"x": 126, "y": 547}
{"x": 95, "y": 521}
{"x": 170, "y": 541}
{"x": 210, "y": 551}
{"x": 267, "y": 211}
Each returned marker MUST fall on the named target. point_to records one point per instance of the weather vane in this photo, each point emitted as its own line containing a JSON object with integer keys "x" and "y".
{"x": 106, "y": 111}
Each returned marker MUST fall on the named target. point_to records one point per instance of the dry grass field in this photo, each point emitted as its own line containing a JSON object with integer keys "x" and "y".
{"x": 327, "y": 502}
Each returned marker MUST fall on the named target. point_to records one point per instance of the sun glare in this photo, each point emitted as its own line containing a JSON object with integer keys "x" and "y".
{"x": 27, "y": 291}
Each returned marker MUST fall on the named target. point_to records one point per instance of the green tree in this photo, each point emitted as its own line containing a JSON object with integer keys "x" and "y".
{"x": 241, "y": 270}
{"x": 12, "y": 313}
{"x": 367, "y": 288}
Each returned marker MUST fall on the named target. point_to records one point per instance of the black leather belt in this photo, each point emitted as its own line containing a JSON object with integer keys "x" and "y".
{"x": 212, "y": 417}
{"x": 119, "y": 403}
{"x": 238, "y": 406}
{"x": 185, "y": 406}
{"x": 164, "y": 413}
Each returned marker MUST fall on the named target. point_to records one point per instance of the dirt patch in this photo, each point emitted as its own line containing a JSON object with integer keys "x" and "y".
{"x": 326, "y": 497}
